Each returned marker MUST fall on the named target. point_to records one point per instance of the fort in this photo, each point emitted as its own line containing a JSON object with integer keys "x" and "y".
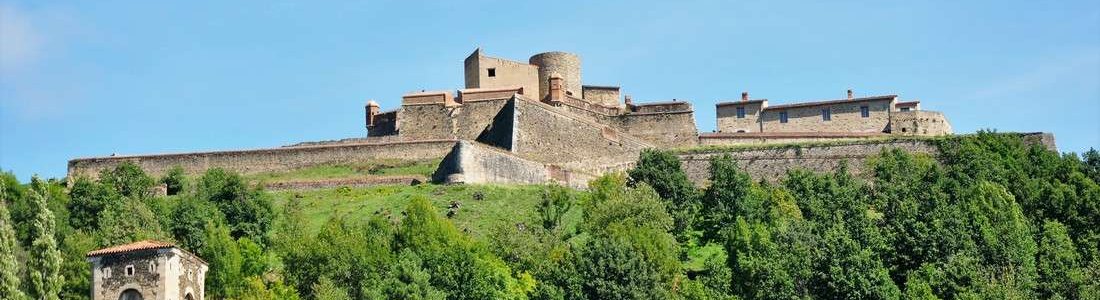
{"x": 537, "y": 121}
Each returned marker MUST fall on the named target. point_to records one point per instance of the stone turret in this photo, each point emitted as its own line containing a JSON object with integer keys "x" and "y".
{"x": 564, "y": 64}
{"x": 372, "y": 110}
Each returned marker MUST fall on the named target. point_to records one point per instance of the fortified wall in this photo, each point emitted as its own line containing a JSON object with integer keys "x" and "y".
{"x": 538, "y": 121}
{"x": 266, "y": 160}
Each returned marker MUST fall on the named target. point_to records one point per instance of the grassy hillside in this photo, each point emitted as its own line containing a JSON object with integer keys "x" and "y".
{"x": 384, "y": 167}
{"x": 498, "y": 205}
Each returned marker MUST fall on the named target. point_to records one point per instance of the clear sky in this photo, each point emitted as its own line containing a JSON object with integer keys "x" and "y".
{"x": 91, "y": 78}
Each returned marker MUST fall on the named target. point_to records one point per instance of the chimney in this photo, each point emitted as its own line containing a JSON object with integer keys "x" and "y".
{"x": 557, "y": 93}
{"x": 628, "y": 101}
{"x": 744, "y": 96}
{"x": 850, "y": 94}
{"x": 372, "y": 110}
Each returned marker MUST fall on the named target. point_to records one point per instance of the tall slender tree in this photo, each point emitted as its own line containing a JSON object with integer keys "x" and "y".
{"x": 9, "y": 269}
{"x": 45, "y": 262}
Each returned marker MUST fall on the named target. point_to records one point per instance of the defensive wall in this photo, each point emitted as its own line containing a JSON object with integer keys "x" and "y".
{"x": 771, "y": 162}
{"x": 919, "y": 122}
{"x": 267, "y": 160}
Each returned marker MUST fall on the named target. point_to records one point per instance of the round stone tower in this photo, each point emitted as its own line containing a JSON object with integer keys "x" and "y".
{"x": 564, "y": 64}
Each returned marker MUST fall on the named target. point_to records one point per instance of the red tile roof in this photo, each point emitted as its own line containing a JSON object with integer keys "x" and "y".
{"x": 828, "y": 102}
{"x": 908, "y": 103}
{"x": 742, "y": 102}
{"x": 135, "y": 246}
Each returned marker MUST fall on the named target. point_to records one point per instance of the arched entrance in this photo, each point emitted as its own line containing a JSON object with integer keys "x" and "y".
{"x": 188, "y": 297}
{"x": 130, "y": 294}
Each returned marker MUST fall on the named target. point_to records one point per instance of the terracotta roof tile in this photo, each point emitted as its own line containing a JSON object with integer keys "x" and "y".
{"x": 735, "y": 102}
{"x": 135, "y": 246}
{"x": 908, "y": 103}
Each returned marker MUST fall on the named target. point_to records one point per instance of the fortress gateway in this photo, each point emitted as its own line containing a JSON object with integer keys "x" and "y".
{"x": 537, "y": 121}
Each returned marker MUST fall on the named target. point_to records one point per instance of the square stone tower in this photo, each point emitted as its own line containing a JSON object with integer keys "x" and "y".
{"x": 147, "y": 270}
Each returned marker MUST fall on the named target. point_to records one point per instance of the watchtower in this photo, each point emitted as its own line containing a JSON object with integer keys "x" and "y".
{"x": 146, "y": 270}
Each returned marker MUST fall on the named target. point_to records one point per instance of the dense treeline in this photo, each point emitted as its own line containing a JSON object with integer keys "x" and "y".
{"x": 991, "y": 217}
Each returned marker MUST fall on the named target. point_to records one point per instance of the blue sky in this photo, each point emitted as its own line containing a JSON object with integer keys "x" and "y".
{"x": 92, "y": 78}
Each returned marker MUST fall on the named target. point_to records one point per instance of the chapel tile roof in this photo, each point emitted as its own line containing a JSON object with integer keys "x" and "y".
{"x": 135, "y": 246}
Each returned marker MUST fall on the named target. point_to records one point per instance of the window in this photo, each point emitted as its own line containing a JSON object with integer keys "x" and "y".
{"x": 826, "y": 115}
{"x": 904, "y": 109}
{"x": 492, "y": 72}
{"x": 864, "y": 111}
{"x": 130, "y": 270}
{"x": 740, "y": 112}
{"x": 106, "y": 272}
{"x": 782, "y": 117}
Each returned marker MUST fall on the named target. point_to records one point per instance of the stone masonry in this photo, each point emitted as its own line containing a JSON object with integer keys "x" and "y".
{"x": 540, "y": 112}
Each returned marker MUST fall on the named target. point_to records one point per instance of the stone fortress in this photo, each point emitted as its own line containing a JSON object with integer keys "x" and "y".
{"x": 535, "y": 122}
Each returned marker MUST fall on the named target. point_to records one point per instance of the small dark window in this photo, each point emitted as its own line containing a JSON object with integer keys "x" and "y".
{"x": 492, "y": 72}
{"x": 782, "y": 117}
{"x": 826, "y": 115}
{"x": 864, "y": 111}
{"x": 130, "y": 270}
{"x": 740, "y": 112}
{"x": 904, "y": 109}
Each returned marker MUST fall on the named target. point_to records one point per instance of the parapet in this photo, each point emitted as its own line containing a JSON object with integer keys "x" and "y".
{"x": 919, "y": 122}
{"x": 603, "y": 95}
{"x": 482, "y": 94}
{"x": 430, "y": 97}
{"x": 661, "y": 107}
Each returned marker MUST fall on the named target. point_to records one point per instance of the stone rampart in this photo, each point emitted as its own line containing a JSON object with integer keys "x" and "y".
{"x": 919, "y": 122}
{"x": 772, "y": 163}
{"x": 547, "y": 134}
{"x": 438, "y": 121}
{"x": 266, "y": 160}
{"x": 663, "y": 129}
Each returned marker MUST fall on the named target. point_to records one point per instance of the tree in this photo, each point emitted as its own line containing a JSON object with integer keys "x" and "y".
{"x": 88, "y": 199}
{"x": 247, "y": 211}
{"x": 458, "y": 265}
{"x": 128, "y": 180}
{"x": 45, "y": 264}
{"x": 128, "y": 221}
{"x": 175, "y": 180}
{"x": 555, "y": 203}
{"x": 625, "y": 262}
{"x": 325, "y": 289}
{"x": 1058, "y": 263}
{"x": 630, "y": 254}
{"x": 661, "y": 170}
{"x": 189, "y": 219}
{"x": 224, "y": 279}
{"x": 9, "y": 268}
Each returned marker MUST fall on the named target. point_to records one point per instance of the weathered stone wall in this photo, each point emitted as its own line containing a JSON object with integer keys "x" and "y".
{"x": 465, "y": 121}
{"x": 919, "y": 122}
{"x": 661, "y": 107}
{"x": 471, "y": 162}
{"x": 267, "y": 160}
{"x": 603, "y": 95}
{"x": 772, "y": 163}
{"x": 384, "y": 124}
{"x": 766, "y": 138}
{"x": 547, "y": 134}
{"x": 729, "y": 122}
{"x": 846, "y": 117}
{"x": 566, "y": 65}
{"x": 507, "y": 74}
{"x": 665, "y": 130}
